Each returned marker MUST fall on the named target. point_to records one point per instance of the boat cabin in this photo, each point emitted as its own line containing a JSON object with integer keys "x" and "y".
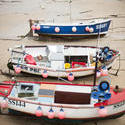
{"x": 53, "y": 93}
{"x": 56, "y": 57}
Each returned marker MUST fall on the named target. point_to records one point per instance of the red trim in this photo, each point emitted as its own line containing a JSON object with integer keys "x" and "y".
{"x": 48, "y": 83}
{"x": 116, "y": 97}
{"x": 6, "y": 87}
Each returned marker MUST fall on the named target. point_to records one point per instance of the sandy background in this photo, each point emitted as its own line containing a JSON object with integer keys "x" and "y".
{"x": 14, "y": 16}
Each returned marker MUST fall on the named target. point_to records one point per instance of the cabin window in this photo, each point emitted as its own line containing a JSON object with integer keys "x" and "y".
{"x": 72, "y": 97}
{"x": 26, "y": 87}
{"x": 26, "y": 91}
{"x": 70, "y": 59}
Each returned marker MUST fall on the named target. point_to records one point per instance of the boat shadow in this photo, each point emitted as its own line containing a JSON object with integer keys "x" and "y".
{"x": 32, "y": 119}
{"x": 78, "y": 80}
{"x": 69, "y": 39}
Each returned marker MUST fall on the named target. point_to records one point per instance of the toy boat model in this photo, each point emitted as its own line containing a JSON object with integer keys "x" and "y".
{"x": 63, "y": 100}
{"x": 59, "y": 60}
{"x": 86, "y": 28}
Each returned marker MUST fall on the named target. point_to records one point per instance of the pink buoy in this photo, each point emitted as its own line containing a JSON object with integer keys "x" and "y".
{"x": 70, "y": 77}
{"x": 45, "y": 74}
{"x": 51, "y": 114}
{"x": 57, "y": 29}
{"x": 74, "y": 29}
{"x": 102, "y": 112}
{"x": 87, "y": 29}
{"x": 91, "y": 30}
{"x": 38, "y": 27}
{"x": 39, "y": 112}
{"x": 4, "y": 104}
{"x": 17, "y": 69}
{"x": 98, "y": 74}
{"x": 33, "y": 27}
{"x": 61, "y": 114}
{"x": 104, "y": 72}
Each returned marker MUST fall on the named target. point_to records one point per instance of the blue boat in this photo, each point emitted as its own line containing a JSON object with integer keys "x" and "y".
{"x": 86, "y": 28}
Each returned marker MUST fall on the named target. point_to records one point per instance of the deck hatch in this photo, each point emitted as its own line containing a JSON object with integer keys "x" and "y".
{"x": 72, "y": 97}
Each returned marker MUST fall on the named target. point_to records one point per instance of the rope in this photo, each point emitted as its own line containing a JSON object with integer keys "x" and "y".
{"x": 116, "y": 74}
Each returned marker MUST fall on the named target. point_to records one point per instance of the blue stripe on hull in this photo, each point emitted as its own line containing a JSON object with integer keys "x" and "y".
{"x": 67, "y": 30}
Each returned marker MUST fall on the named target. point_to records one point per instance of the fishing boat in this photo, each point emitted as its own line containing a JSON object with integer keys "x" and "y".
{"x": 89, "y": 27}
{"x": 63, "y": 100}
{"x": 61, "y": 60}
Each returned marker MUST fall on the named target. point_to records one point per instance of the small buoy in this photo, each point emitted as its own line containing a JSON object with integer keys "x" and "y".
{"x": 87, "y": 29}
{"x": 57, "y": 29}
{"x": 4, "y": 104}
{"x": 61, "y": 114}
{"x": 33, "y": 27}
{"x": 17, "y": 69}
{"x": 70, "y": 77}
{"x": 38, "y": 27}
{"x": 74, "y": 29}
{"x": 45, "y": 74}
{"x": 51, "y": 114}
{"x": 98, "y": 74}
{"x": 67, "y": 65}
{"x": 104, "y": 72}
{"x": 102, "y": 112}
{"x": 91, "y": 30}
{"x": 39, "y": 112}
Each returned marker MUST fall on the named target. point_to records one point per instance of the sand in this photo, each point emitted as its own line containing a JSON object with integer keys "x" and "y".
{"x": 14, "y": 16}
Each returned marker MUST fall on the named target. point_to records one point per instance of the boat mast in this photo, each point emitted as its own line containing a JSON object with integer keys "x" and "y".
{"x": 70, "y": 10}
{"x": 96, "y": 66}
{"x": 97, "y": 53}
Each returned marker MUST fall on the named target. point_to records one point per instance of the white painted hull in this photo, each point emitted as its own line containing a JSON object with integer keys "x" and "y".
{"x": 77, "y": 72}
{"x": 76, "y": 112}
{"x": 55, "y": 63}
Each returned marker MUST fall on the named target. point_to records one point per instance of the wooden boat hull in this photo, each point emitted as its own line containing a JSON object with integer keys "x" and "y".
{"x": 99, "y": 27}
{"x": 79, "y": 72}
{"x": 71, "y": 113}
{"x": 53, "y": 70}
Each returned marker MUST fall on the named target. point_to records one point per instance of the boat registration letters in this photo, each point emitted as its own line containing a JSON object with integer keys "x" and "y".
{"x": 119, "y": 104}
{"x": 31, "y": 69}
{"x": 101, "y": 26}
{"x": 17, "y": 103}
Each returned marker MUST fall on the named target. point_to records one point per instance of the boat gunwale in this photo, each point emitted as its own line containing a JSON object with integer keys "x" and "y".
{"x": 90, "y": 22}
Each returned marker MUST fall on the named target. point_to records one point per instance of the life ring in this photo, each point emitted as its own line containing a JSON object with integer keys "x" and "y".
{"x": 39, "y": 57}
{"x": 103, "y": 86}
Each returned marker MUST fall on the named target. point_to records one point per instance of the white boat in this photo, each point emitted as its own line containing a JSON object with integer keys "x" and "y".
{"x": 60, "y": 60}
{"x": 63, "y": 100}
